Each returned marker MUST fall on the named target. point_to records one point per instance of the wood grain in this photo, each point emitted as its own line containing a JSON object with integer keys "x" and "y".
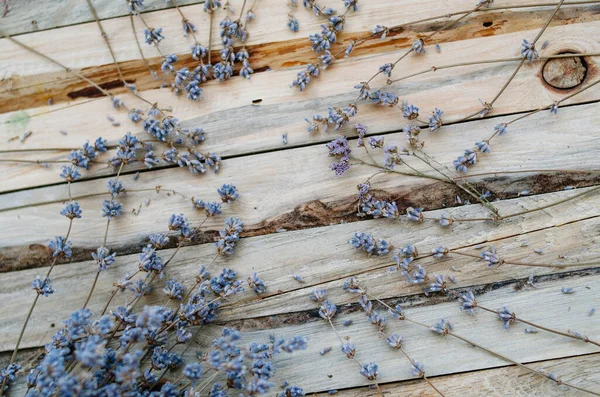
{"x": 25, "y": 16}
{"x": 33, "y": 81}
{"x": 323, "y": 257}
{"x": 271, "y": 200}
{"x": 507, "y": 381}
{"x": 282, "y": 110}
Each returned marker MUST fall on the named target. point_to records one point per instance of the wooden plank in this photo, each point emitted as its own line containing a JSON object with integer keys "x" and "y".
{"x": 272, "y": 200}
{"x": 544, "y": 305}
{"x": 507, "y": 381}
{"x": 323, "y": 258}
{"x": 281, "y": 110}
{"x": 271, "y": 45}
{"x": 441, "y": 355}
{"x": 37, "y": 15}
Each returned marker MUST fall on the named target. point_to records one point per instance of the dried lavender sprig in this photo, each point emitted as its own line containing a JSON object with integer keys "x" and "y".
{"x": 432, "y": 69}
{"x": 393, "y": 340}
{"x": 394, "y": 28}
{"x": 327, "y": 311}
{"x": 87, "y": 300}
{"x": 489, "y": 105}
{"x": 30, "y": 312}
{"x": 554, "y": 104}
{"x": 512, "y": 317}
{"x": 494, "y": 353}
{"x": 519, "y": 263}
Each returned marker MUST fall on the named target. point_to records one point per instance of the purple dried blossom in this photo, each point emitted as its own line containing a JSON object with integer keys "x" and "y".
{"x": 414, "y": 214}
{"x": 60, "y": 246}
{"x": 442, "y": 327}
{"x": 111, "y": 209}
{"x": 491, "y": 257}
{"x": 369, "y": 371}
{"x": 435, "y": 120}
{"x": 528, "y": 51}
{"x": 42, "y": 287}
{"x": 327, "y": 310}
{"x": 103, "y": 258}
{"x": 467, "y": 302}
{"x": 395, "y": 341}
{"x": 71, "y": 210}
{"x": 506, "y": 316}
{"x": 419, "y": 46}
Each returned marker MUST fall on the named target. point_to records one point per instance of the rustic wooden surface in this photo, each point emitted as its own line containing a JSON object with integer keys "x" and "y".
{"x": 298, "y": 215}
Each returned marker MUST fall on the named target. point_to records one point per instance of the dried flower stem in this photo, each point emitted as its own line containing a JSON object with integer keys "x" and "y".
{"x": 20, "y": 338}
{"x": 103, "y": 245}
{"x": 432, "y": 69}
{"x": 517, "y": 263}
{"x": 353, "y": 358}
{"x": 510, "y": 79}
{"x": 424, "y": 377}
{"x": 515, "y": 318}
{"x": 493, "y": 353}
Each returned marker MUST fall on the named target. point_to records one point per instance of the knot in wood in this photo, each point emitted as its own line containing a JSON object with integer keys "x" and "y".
{"x": 564, "y": 73}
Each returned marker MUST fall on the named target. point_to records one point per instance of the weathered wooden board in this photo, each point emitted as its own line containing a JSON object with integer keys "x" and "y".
{"x": 271, "y": 199}
{"x": 281, "y": 110}
{"x": 270, "y": 42}
{"x": 544, "y": 305}
{"x": 507, "y": 381}
{"x": 323, "y": 258}
{"x": 24, "y": 16}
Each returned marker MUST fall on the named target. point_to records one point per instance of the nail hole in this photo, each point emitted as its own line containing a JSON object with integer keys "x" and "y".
{"x": 487, "y": 24}
{"x": 256, "y": 101}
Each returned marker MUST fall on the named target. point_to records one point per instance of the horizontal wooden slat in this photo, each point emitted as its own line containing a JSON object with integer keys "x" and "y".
{"x": 507, "y": 381}
{"x": 545, "y": 305}
{"x": 272, "y": 44}
{"x": 271, "y": 199}
{"x": 281, "y": 110}
{"x": 36, "y": 15}
{"x": 323, "y": 258}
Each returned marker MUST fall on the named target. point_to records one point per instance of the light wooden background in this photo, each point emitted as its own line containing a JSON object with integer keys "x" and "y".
{"x": 299, "y": 215}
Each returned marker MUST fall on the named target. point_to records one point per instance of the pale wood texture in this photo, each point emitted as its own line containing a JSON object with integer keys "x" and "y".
{"x": 323, "y": 257}
{"x": 298, "y": 215}
{"x": 508, "y": 381}
{"x": 314, "y": 196}
{"x": 24, "y": 16}
{"x": 282, "y": 109}
{"x": 271, "y": 42}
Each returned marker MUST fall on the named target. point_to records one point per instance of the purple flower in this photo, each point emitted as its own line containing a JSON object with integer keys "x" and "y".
{"x": 491, "y": 257}
{"x": 42, "y": 287}
{"x": 395, "y": 341}
{"x": 103, "y": 257}
{"x": 327, "y": 310}
{"x": 435, "y": 120}
{"x": 60, "y": 246}
{"x": 111, "y": 208}
{"x": 71, "y": 210}
{"x": 414, "y": 214}
{"x": 442, "y": 327}
{"x": 70, "y": 173}
{"x": 506, "y": 316}
{"x": 467, "y": 302}
{"x": 528, "y": 51}
{"x": 418, "y": 46}
{"x": 369, "y": 371}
